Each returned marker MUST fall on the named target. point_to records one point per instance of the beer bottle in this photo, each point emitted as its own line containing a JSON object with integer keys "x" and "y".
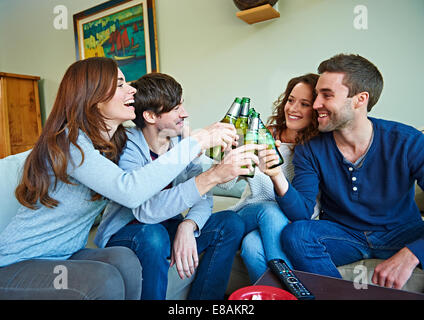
{"x": 231, "y": 117}
{"x": 252, "y": 137}
{"x": 265, "y": 137}
{"x": 242, "y": 121}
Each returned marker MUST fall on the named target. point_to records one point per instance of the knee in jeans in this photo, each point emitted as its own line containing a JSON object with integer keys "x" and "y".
{"x": 251, "y": 247}
{"x": 120, "y": 255}
{"x": 109, "y": 285}
{"x": 292, "y": 234}
{"x": 98, "y": 281}
{"x": 275, "y": 213}
{"x": 154, "y": 237}
{"x": 271, "y": 210}
{"x": 233, "y": 224}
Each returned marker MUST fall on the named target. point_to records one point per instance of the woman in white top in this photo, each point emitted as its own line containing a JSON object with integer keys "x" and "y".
{"x": 293, "y": 122}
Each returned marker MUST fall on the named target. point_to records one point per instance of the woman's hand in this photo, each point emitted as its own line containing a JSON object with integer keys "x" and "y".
{"x": 268, "y": 158}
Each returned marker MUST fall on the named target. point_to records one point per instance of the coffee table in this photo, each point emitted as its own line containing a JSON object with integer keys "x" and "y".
{"x": 328, "y": 288}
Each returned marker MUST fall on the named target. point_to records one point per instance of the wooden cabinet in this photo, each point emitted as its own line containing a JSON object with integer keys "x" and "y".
{"x": 20, "y": 119}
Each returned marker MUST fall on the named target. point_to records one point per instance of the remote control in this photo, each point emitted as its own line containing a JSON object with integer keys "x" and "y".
{"x": 288, "y": 278}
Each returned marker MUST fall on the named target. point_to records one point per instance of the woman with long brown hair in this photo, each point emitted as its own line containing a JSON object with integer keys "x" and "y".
{"x": 293, "y": 122}
{"x": 285, "y": 124}
{"x": 68, "y": 178}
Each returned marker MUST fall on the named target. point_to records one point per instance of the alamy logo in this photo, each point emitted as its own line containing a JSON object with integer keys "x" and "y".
{"x": 60, "y": 21}
{"x": 60, "y": 281}
{"x": 360, "y": 22}
{"x": 361, "y": 280}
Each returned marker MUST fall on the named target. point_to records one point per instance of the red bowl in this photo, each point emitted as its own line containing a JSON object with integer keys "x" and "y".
{"x": 261, "y": 293}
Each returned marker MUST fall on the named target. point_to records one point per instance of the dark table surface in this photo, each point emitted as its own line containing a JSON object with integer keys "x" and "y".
{"x": 327, "y": 288}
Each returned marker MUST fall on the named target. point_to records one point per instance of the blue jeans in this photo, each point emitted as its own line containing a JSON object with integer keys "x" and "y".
{"x": 264, "y": 222}
{"x": 219, "y": 240}
{"x": 319, "y": 246}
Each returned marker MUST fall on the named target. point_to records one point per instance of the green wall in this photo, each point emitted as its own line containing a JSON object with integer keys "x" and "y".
{"x": 216, "y": 56}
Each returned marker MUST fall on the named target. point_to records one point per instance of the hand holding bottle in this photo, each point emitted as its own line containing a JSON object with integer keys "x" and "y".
{"x": 217, "y": 134}
{"x": 217, "y": 153}
{"x": 267, "y": 160}
{"x": 237, "y": 162}
{"x": 228, "y": 169}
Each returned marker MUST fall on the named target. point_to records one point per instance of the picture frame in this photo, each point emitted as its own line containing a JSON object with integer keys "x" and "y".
{"x": 124, "y": 30}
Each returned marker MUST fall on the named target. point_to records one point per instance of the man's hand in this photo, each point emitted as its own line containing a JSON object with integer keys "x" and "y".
{"x": 217, "y": 134}
{"x": 234, "y": 161}
{"x": 395, "y": 271}
{"x": 229, "y": 168}
{"x": 184, "y": 249}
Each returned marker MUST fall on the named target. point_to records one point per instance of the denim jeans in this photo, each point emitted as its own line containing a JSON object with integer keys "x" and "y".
{"x": 89, "y": 274}
{"x": 264, "y": 222}
{"x": 319, "y": 246}
{"x": 219, "y": 240}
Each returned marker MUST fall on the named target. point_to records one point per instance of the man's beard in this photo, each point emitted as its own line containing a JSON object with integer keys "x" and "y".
{"x": 339, "y": 120}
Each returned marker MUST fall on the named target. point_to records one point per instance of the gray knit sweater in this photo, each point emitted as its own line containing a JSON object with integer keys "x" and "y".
{"x": 60, "y": 232}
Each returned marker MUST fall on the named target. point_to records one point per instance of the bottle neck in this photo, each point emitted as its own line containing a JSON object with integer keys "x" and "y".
{"x": 254, "y": 124}
{"x": 245, "y": 110}
{"x": 234, "y": 110}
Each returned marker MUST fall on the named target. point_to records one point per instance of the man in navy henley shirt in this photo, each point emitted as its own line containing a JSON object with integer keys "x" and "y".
{"x": 366, "y": 169}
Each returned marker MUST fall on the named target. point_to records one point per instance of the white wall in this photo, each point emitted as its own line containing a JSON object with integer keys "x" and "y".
{"x": 216, "y": 56}
{"x": 34, "y": 46}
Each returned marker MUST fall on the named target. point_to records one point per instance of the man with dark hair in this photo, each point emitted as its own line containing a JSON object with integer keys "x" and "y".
{"x": 366, "y": 169}
{"x": 360, "y": 75}
{"x": 157, "y": 229}
{"x": 158, "y": 93}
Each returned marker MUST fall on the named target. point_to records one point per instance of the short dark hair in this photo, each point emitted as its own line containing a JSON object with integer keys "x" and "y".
{"x": 360, "y": 75}
{"x": 157, "y": 92}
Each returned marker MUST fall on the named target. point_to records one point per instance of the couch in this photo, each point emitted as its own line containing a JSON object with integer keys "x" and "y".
{"x": 178, "y": 289}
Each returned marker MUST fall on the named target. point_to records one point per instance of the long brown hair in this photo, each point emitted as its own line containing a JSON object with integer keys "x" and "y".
{"x": 277, "y": 122}
{"x": 85, "y": 84}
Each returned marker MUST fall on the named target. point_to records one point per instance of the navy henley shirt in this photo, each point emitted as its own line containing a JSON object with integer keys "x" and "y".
{"x": 376, "y": 196}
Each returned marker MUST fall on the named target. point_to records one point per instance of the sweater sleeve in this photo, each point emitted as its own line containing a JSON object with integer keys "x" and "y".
{"x": 201, "y": 210}
{"x": 299, "y": 201}
{"x": 165, "y": 204}
{"x": 169, "y": 202}
{"x": 416, "y": 162}
{"x": 416, "y": 159}
{"x": 129, "y": 189}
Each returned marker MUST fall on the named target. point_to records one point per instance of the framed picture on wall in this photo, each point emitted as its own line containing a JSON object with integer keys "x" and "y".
{"x": 124, "y": 30}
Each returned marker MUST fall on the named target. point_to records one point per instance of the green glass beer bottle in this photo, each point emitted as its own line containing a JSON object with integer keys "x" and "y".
{"x": 242, "y": 122}
{"x": 252, "y": 137}
{"x": 231, "y": 117}
{"x": 265, "y": 137}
